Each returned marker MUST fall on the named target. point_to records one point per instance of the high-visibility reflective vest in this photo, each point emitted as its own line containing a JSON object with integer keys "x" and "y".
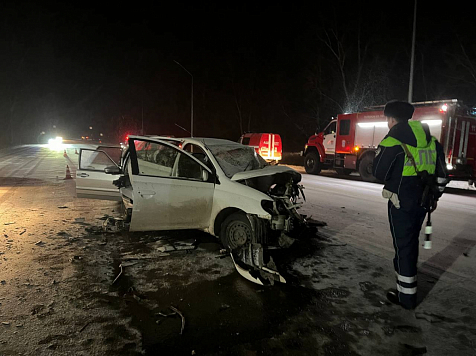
{"x": 424, "y": 154}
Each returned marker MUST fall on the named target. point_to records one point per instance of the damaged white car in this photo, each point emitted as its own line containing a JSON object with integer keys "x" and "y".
{"x": 219, "y": 186}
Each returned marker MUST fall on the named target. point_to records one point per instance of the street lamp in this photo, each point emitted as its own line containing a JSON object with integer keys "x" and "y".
{"x": 412, "y": 60}
{"x": 191, "y": 105}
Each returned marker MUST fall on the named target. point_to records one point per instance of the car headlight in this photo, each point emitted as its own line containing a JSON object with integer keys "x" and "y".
{"x": 267, "y": 205}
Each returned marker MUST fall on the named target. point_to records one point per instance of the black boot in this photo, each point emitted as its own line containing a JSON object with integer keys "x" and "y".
{"x": 392, "y": 296}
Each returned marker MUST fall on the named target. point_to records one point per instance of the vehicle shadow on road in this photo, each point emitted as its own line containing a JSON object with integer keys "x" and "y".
{"x": 18, "y": 182}
{"x": 429, "y": 274}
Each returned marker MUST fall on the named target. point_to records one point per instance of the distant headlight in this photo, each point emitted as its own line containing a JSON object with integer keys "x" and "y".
{"x": 449, "y": 166}
{"x": 55, "y": 144}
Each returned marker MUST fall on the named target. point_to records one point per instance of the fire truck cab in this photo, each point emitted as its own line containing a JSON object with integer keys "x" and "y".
{"x": 348, "y": 143}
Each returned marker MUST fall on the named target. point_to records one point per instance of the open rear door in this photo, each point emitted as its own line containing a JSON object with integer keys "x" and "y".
{"x": 91, "y": 180}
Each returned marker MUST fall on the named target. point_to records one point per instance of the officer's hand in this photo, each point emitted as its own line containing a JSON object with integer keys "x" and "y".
{"x": 434, "y": 205}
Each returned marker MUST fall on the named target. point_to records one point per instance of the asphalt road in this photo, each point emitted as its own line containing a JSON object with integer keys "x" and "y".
{"x": 60, "y": 292}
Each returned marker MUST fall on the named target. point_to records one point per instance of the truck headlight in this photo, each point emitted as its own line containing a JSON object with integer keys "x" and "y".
{"x": 449, "y": 166}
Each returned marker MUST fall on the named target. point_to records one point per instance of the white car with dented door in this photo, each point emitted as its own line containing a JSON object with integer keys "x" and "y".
{"x": 215, "y": 185}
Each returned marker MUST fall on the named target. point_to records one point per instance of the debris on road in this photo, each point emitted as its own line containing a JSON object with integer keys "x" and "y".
{"x": 112, "y": 224}
{"x": 39, "y": 243}
{"x": 166, "y": 315}
{"x": 21, "y": 233}
{"x": 120, "y": 274}
{"x": 224, "y": 307}
{"x": 84, "y": 327}
{"x": 181, "y": 316}
{"x": 9, "y": 223}
{"x": 177, "y": 245}
{"x": 63, "y": 207}
{"x": 75, "y": 258}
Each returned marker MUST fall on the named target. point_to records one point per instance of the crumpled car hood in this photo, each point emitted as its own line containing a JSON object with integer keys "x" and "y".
{"x": 267, "y": 171}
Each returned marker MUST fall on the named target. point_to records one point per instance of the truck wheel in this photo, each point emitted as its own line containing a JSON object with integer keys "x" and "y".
{"x": 365, "y": 167}
{"x": 312, "y": 163}
{"x": 235, "y": 231}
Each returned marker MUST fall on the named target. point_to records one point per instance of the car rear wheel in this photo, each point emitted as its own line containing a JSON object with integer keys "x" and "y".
{"x": 312, "y": 163}
{"x": 365, "y": 167}
{"x": 235, "y": 231}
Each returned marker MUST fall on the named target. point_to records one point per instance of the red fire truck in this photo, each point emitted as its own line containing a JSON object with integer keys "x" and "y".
{"x": 267, "y": 145}
{"x": 348, "y": 143}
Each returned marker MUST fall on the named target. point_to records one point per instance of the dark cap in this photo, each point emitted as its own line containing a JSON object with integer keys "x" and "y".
{"x": 399, "y": 110}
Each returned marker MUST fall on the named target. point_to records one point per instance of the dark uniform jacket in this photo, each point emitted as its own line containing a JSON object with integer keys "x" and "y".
{"x": 389, "y": 161}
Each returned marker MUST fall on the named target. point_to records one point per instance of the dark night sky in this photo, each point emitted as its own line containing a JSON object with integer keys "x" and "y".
{"x": 76, "y": 66}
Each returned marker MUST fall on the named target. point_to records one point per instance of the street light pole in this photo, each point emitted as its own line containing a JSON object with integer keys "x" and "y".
{"x": 412, "y": 60}
{"x": 191, "y": 99}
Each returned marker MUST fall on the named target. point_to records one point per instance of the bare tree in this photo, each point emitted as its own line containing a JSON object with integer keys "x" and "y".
{"x": 361, "y": 76}
{"x": 463, "y": 63}
{"x": 244, "y": 97}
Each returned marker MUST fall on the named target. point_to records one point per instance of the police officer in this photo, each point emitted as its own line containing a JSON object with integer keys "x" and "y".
{"x": 404, "y": 189}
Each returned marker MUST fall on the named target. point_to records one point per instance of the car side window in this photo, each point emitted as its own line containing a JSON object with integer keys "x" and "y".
{"x": 155, "y": 159}
{"x": 94, "y": 160}
{"x": 188, "y": 168}
{"x": 198, "y": 153}
{"x": 113, "y": 152}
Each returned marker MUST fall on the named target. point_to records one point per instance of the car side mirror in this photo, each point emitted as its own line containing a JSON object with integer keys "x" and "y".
{"x": 204, "y": 175}
{"x": 112, "y": 170}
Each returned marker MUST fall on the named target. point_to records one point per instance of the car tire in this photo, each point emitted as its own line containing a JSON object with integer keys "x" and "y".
{"x": 312, "y": 163}
{"x": 235, "y": 231}
{"x": 365, "y": 167}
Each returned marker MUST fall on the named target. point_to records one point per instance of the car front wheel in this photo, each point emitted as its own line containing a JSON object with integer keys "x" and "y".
{"x": 235, "y": 231}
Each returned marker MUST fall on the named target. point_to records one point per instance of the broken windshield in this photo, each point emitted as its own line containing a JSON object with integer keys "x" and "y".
{"x": 234, "y": 158}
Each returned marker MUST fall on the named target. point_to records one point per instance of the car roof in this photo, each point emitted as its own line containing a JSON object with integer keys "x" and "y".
{"x": 215, "y": 141}
{"x": 200, "y": 140}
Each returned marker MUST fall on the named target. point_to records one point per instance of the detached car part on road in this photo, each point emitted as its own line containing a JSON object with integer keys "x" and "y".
{"x": 219, "y": 186}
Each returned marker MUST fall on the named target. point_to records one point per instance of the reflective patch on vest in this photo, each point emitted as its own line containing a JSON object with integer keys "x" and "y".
{"x": 425, "y": 157}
